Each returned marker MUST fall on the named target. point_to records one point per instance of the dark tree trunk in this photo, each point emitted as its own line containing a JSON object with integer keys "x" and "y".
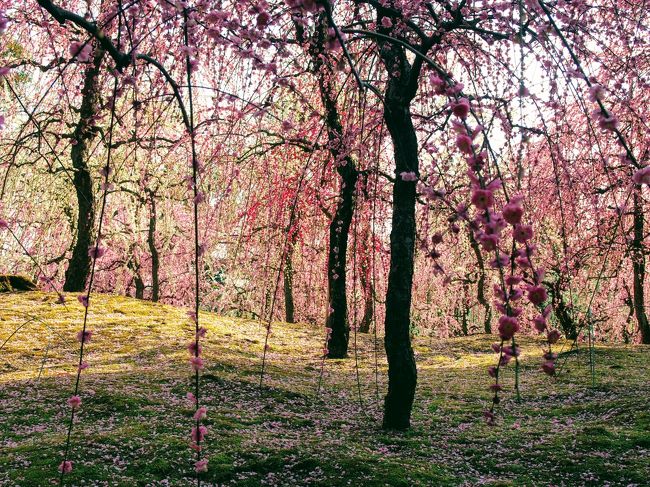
{"x": 562, "y": 311}
{"x": 137, "y": 279}
{"x": 337, "y": 315}
{"x": 151, "y": 242}
{"x": 78, "y": 269}
{"x": 337, "y": 318}
{"x": 480, "y": 285}
{"x": 638, "y": 268}
{"x": 289, "y": 306}
{"x": 365, "y": 278}
{"x": 402, "y": 373}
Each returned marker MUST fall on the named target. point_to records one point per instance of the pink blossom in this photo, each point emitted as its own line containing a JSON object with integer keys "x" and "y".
{"x": 3, "y": 224}
{"x": 194, "y": 348}
{"x": 548, "y": 368}
{"x": 408, "y": 176}
{"x": 482, "y": 198}
{"x": 65, "y": 466}
{"x": 197, "y": 363}
{"x": 522, "y": 233}
{"x": 508, "y": 326}
{"x": 438, "y": 83}
{"x": 642, "y": 176}
{"x": 460, "y": 108}
{"x": 512, "y": 352}
{"x": 386, "y": 22}
{"x": 84, "y": 336}
{"x": 74, "y": 402}
{"x": 537, "y": 295}
{"x": 553, "y": 336}
{"x": 96, "y": 252}
{"x": 512, "y": 212}
{"x": 200, "y": 413}
{"x": 201, "y": 466}
{"x": 609, "y": 124}
{"x": 492, "y": 371}
{"x": 540, "y": 323}
{"x": 83, "y": 299}
{"x": 201, "y": 332}
{"x": 263, "y": 20}
{"x": 596, "y": 92}
{"x": 198, "y": 434}
{"x": 464, "y": 143}
{"x": 489, "y": 242}
{"x": 83, "y": 366}
{"x": 82, "y": 51}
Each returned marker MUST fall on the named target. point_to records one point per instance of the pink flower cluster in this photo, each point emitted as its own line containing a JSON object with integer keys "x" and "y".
{"x": 199, "y": 431}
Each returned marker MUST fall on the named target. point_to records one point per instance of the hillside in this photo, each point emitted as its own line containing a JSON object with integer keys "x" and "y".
{"x": 134, "y": 425}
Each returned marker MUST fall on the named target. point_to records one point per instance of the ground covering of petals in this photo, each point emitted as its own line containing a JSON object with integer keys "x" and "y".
{"x": 132, "y": 424}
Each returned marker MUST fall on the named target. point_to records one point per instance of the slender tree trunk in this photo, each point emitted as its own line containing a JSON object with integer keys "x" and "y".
{"x": 365, "y": 277}
{"x": 402, "y": 372}
{"x": 480, "y": 285}
{"x": 151, "y": 242}
{"x": 79, "y": 264}
{"x": 638, "y": 268}
{"x": 289, "y": 306}
{"x": 337, "y": 315}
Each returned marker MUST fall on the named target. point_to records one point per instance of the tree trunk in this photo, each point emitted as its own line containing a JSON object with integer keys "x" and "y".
{"x": 365, "y": 278}
{"x": 480, "y": 285}
{"x": 78, "y": 269}
{"x": 289, "y": 307}
{"x": 402, "y": 372}
{"x": 337, "y": 319}
{"x": 155, "y": 257}
{"x": 638, "y": 268}
{"x": 337, "y": 315}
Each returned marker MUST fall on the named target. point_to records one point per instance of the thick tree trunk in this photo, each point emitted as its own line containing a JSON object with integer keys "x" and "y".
{"x": 638, "y": 268}
{"x": 79, "y": 264}
{"x": 151, "y": 242}
{"x": 337, "y": 319}
{"x": 402, "y": 373}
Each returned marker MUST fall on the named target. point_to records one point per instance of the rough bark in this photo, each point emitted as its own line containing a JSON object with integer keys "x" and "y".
{"x": 155, "y": 256}
{"x": 638, "y": 269}
{"x": 289, "y": 306}
{"x": 78, "y": 269}
{"x": 365, "y": 278}
{"x": 562, "y": 311}
{"x": 402, "y": 373}
{"x": 480, "y": 285}
{"x": 337, "y": 315}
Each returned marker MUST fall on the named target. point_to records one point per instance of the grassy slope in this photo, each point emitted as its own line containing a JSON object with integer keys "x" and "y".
{"x": 134, "y": 423}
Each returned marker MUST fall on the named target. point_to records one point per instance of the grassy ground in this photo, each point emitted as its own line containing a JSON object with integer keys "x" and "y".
{"x": 134, "y": 423}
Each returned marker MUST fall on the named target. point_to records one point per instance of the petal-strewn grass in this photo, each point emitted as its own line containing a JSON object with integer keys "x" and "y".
{"x": 133, "y": 424}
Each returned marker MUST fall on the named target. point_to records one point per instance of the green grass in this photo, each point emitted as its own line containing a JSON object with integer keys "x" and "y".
{"x": 133, "y": 426}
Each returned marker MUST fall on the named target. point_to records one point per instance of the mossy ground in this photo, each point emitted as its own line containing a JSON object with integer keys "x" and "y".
{"x": 133, "y": 427}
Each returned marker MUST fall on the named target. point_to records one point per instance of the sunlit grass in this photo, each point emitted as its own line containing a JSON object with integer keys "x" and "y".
{"x": 134, "y": 424}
